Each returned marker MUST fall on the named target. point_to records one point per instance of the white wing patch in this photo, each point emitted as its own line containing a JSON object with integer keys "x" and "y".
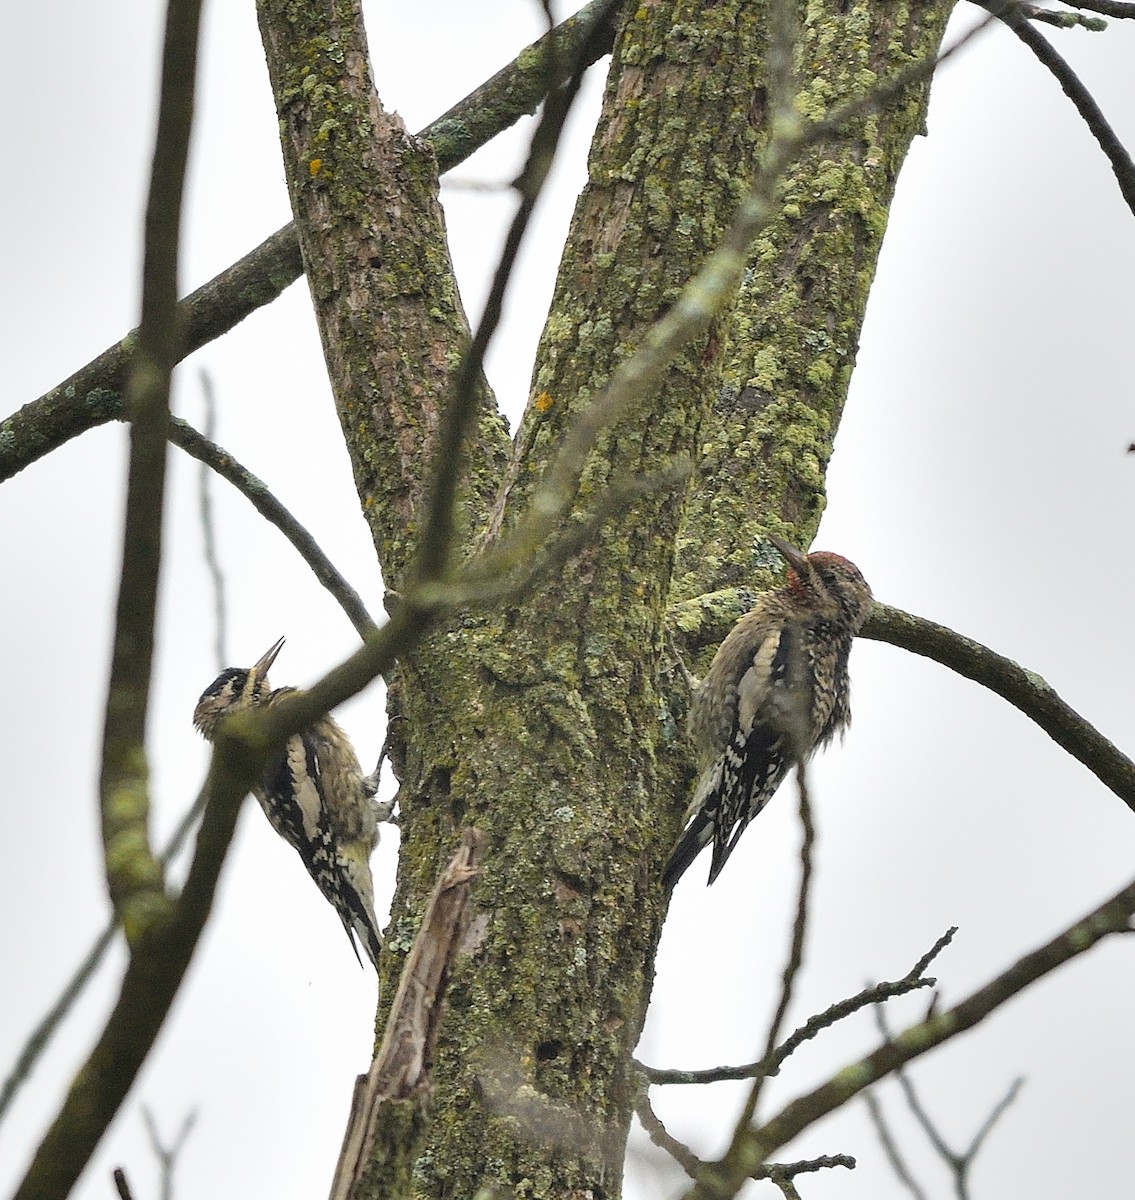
{"x": 754, "y": 686}
{"x": 306, "y": 787}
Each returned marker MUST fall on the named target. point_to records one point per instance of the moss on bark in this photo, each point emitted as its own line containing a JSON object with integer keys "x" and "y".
{"x": 543, "y": 723}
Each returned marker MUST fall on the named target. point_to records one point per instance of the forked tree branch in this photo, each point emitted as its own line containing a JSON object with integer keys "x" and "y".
{"x": 434, "y": 548}
{"x": 167, "y": 1155}
{"x": 690, "y": 315}
{"x": 691, "y": 1164}
{"x": 959, "y": 1162}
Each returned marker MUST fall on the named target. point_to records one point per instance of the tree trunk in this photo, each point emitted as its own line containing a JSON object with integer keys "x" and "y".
{"x": 544, "y": 723}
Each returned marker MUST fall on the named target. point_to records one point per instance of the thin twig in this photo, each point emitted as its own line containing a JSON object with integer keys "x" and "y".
{"x": 958, "y": 1163}
{"x": 217, "y": 458}
{"x": 919, "y": 968}
{"x": 911, "y": 981}
{"x": 121, "y": 1185}
{"x": 799, "y": 930}
{"x": 915, "y": 1104}
{"x": 804, "y": 1166}
{"x": 663, "y": 1139}
{"x": 1063, "y": 18}
{"x": 167, "y": 1155}
{"x": 757, "y": 1144}
{"x": 183, "y": 435}
{"x": 1123, "y": 9}
{"x": 995, "y": 1115}
{"x": 1074, "y": 89}
{"x": 890, "y": 1147}
{"x": 209, "y": 529}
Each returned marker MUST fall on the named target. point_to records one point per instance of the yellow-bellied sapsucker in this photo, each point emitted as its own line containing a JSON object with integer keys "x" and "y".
{"x": 775, "y": 691}
{"x": 315, "y": 797}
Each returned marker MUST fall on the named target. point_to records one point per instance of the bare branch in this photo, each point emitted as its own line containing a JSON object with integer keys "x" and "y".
{"x": 919, "y": 967}
{"x": 804, "y": 1166}
{"x": 691, "y": 1164}
{"x": 201, "y": 447}
{"x": 890, "y": 1147}
{"x": 132, "y": 872}
{"x": 911, "y": 981}
{"x": 92, "y": 396}
{"x": 209, "y": 529}
{"x": 183, "y": 435}
{"x": 1063, "y": 18}
{"x": 724, "y": 1179}
{"x": 167, "y": 1155}
{"x": 1122, "y": 9}
{"x": 958, "y": 1163}
{"x": 662, "y": 1138}
{"x": 1075, "y": 90}
{"x": 1022, "y": 688}
{"x": 401, "y": 1070}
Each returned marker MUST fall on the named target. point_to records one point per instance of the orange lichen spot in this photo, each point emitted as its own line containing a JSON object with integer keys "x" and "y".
{"x": 314, "y": 165}
{"x": 543, "y": 402}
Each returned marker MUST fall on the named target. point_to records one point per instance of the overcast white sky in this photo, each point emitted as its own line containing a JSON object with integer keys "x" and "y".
{"x": 980, "y": 479}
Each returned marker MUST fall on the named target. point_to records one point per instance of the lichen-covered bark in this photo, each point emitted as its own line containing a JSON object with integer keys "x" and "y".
{"x": 364, "y": 194}
{"x": 790, "y": 345}
{"x": 543, "y": 723}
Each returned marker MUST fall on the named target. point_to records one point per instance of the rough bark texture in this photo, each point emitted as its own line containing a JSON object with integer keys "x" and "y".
{"x": 791, "y": 344}
{"x": 373, "y": 241}
{"x": 543, "y": 723}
